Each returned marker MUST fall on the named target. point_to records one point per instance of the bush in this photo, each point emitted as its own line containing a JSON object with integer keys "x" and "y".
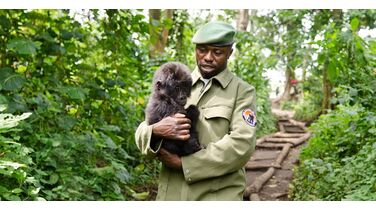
{"x": 338, "y": 163}
{"x": 308, "y": 108}
{"x": 86, "y": 89}
{"x": 16, "y": 180}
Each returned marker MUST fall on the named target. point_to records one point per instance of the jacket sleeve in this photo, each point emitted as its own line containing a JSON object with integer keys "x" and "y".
{"x": 230, "y": 153}
{"x": 144, "y": 138}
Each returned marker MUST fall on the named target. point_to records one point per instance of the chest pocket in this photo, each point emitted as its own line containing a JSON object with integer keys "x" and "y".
{"x": 217, "y": 120}
{"x": 218, "y": 112}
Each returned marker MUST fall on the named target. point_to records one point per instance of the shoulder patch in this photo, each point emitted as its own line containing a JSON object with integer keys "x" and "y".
{"x": 249, "y": 117}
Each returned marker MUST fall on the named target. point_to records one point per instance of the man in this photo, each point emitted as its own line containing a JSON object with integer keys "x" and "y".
{"x": 226, "y": 127}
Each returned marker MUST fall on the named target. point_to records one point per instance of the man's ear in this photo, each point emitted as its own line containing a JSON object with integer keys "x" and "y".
{"x": 230, "y": 53}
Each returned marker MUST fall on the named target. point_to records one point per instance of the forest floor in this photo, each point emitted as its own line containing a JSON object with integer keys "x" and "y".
{"x": 270, "y": 169}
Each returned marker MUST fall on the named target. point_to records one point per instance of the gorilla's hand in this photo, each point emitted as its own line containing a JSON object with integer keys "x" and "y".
{"x": 169, "y": 159}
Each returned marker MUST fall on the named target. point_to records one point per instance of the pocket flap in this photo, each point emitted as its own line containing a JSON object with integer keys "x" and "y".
{"x": 217, "y": 111}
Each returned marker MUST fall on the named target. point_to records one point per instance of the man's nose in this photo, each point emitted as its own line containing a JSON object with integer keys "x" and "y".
{"x": 208, "y": 56}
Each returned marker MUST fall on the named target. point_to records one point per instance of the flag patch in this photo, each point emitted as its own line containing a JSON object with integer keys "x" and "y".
{"x": 249, "y": 117}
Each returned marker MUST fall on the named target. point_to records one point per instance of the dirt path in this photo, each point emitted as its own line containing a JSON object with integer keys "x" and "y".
{"x": 270, "y": 169}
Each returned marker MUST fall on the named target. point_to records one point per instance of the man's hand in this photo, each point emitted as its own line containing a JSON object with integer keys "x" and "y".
{"x": 169, "y": 159}
{"x": 173, "y": 127}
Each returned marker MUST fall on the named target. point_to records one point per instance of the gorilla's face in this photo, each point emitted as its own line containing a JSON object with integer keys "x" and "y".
{"x": 178, "y": 91}
{"x": 174, "y": 82}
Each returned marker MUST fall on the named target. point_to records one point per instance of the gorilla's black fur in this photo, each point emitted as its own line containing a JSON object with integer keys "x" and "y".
{"x": 172, "y": 85}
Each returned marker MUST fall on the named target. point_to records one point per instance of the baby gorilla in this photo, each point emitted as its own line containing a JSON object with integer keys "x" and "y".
{"x": 172, "y": 85}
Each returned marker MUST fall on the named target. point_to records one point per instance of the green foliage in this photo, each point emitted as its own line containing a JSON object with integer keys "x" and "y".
{"x": 9, "y": 80}
{"x": 339, "y": 163}
{"x": 288, "y": 105}
{"x": 308, "y": 107}
{"x": 249, "y": 65}
{"x": 180, "y": 47}
{"x": 16, "y": 181}
{"x": 345, "y": 51}
{"x": 23, "y": 46}
{"x": 365, "y": 17}
{"x": 86, "y": 89}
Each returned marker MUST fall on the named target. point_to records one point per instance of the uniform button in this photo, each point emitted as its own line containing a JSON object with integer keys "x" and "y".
{"x": 187, "y": 171}
{"x": 189, "y": 179}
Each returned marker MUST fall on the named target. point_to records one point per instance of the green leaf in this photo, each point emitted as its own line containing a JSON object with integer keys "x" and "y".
{"x": 21, "y": 69}
{"x": 109, "y": 142}
{"x": 321, "y": 58}
{"x": 35, "y": 191}
{"x": 102, "y": 171}
{"x": 141, "y": 196}
{"x": 12, "y": 197}
{"x": 372, "y": 131}
{"x": 9, "y": 80}
{"x": 23, "y": 46}
{"x": 354, "y": 24}
{"x": 3, "y": 107}
{"x": 66, "y": 122}
{"x": 111, "y": 128}
{"x": 14, "y": 165}
{"x": 16, "y": 190}
{"x": 167, "y": 23}
{"x": 56, "y": 142}
{"x": 123, "y": 175}
{"x": 75, "y": 93}
{"x": 66, "y": 34}
{"x": 53, "y": 179}
{"x": 72, "y": 111}
{"x": 140, "y": 167}
{"x": 333, "y": 71}
{"x": 3, "y": 190}
{"x": 4, "y": 22}
{"x": 154, "y": 23}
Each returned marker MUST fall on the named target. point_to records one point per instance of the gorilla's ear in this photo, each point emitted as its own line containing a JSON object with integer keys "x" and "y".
{"x": 158, "y": 84}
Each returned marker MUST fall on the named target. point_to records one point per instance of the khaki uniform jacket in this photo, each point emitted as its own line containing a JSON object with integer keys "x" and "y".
{"x": 217, "y": 171}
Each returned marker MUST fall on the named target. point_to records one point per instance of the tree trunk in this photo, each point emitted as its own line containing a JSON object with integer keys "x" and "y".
{"x": 286, "y": 96}
{"x": 242, "y": 20}
{"x": 180, "y": 18}
{"x": 326, "y": 89}
{"x": 289, "y": 72}
{"x": 154, "y": 21}
{"x": 158, "y": 32}
{"x": 304, "y": 71}
{"x": 337, "y": 16}
{"x": 165, "y": 31}
{"x": 252, "y": 22}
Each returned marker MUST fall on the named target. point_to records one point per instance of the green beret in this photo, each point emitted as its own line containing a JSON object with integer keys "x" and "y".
{"x": 215, "y": 33}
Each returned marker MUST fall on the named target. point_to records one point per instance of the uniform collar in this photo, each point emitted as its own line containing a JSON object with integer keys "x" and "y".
{"x": 223, "y": 78}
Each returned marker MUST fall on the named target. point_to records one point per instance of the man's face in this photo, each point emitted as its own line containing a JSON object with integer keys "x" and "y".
{"x": 211, "y": 60}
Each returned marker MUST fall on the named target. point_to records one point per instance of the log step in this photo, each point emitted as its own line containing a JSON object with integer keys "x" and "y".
{"x": 259, "y": 182}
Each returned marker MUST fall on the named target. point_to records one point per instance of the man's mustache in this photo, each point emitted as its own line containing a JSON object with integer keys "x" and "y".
{"x": 207, "y": 65}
